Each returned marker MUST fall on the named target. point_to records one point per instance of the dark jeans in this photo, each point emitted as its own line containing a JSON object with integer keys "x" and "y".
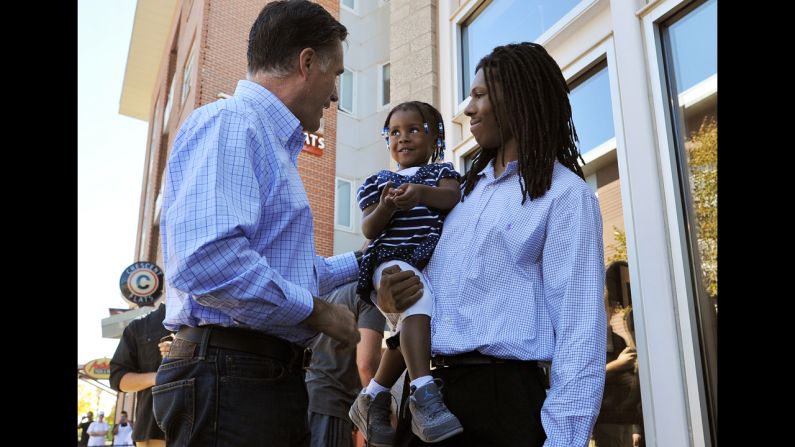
{"x": 222, "y": 397}
{"x": 498, "y": 405}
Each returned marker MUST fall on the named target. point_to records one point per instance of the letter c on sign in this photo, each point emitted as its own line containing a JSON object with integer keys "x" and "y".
{"x": 139, "y": 282}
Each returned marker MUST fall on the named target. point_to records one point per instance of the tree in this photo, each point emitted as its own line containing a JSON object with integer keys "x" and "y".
{"x": 620, "y": 253}
{"x": 87, "y": 398}
{"x": 702, "y": 153}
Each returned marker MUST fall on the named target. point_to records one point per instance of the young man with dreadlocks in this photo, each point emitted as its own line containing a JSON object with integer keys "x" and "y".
{"x": 403, "y": 214}
{"x": 518, "y": 273}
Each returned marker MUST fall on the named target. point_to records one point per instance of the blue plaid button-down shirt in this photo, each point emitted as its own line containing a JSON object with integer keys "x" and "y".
{"x": 526, "y": 282}
{"x": 236, "y": 227}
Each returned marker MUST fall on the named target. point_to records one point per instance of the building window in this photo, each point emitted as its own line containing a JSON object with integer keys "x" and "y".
{"x": 502, "y": 22}
{"x": 383, "y": 86}
{"x": 689, "y": 47}
{"x": 159, "y": 199}
{"x": 343, "y": 200}
{"x": 157, "y": 118}
{"x": 591, "y": 181}
{"x": 349, "y": 4}
{"x": 187, "y": 75}
{"x": 592, "y": 109}
{"x": 346, "y": 91}
{"x": 469, "y": 160}
{"x": 169, "y": 103}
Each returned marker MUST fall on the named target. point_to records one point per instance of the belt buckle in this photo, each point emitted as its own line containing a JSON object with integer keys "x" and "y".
{"x": 306, "y": 360}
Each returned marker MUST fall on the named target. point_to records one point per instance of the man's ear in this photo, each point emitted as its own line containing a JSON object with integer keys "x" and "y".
{"x": 306, "y": 59}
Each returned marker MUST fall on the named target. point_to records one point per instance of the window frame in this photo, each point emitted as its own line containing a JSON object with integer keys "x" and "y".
{"x": 653, "y": 18}
{"x": 352, "y": 227}
{"x": 187, "y": 74}
{"x": 351, "y": 112}
{"x": 468, "y": 12}
{"x": 379, "y": 101}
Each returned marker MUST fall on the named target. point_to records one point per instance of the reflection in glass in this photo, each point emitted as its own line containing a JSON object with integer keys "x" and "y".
{"x": 690, "y": 49}
{"x": 693, "y": 41}
{"x": 469, "y": 160}
{"x": 503, "y": 22}
{"x": 592, "y": 109}
{"x": 620, "y": 421}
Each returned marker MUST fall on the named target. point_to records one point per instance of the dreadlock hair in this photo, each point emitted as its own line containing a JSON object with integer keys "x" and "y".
{"x": 430, "y": 116}
{"x": 529, "y": 96}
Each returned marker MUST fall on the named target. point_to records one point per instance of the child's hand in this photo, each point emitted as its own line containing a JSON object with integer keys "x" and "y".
{"x": 408, "y": 195}
{"x": 388, "y": 197}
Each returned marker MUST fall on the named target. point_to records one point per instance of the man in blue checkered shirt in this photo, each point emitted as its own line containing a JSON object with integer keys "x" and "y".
{"x": 242, "y": 277}
{"x": 518, "y": 273}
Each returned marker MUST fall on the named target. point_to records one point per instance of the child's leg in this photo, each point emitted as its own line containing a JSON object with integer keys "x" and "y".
{"x": 415, "y": 343}
{"x": 391, "y": 365}
{"x": 415, "y": 332}
{"x": 390, "y": 368}
{"x": 431, "y": 420}
{"x": 415, "y": 329}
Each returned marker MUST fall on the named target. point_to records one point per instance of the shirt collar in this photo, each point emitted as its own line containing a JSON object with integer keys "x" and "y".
{"x": 488, "y": 171}
{"x": 270, "y": 108}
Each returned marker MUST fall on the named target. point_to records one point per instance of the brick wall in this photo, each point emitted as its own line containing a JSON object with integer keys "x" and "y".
{"x": 217, "y": 31}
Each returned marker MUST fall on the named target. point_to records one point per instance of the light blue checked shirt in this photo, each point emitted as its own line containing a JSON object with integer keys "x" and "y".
{"x": 526, "y": 282}
{"x": 236, "y": 226}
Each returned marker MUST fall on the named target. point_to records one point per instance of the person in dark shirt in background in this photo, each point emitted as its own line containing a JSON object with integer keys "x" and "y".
{"x": 133, "y": 369}
{"x": 84, "y": 423}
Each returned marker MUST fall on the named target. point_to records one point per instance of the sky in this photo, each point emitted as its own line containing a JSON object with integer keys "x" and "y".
{"x": 111, "y": 150}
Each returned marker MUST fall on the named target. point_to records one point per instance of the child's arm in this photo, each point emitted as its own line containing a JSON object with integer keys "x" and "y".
{"x": 444, "y": 197}
{"x": 376, "y": 217}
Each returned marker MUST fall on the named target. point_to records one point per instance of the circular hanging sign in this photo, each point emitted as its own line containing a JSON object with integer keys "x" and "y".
{"x": 98, "y": 369}
{"x": 141, "y": 283}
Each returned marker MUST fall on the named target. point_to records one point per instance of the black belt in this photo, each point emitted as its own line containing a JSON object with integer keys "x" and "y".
{"x": 247, "y": 341}
{"x": 475, "y": 358}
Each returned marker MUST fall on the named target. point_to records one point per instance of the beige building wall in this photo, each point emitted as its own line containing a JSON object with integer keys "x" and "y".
{"x": 414, "y": 51}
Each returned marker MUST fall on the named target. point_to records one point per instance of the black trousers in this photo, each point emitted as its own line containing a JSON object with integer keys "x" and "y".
{"x": 498, "y": 405}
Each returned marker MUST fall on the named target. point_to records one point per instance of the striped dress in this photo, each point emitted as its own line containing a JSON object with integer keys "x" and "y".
{"x": 412, "y": 234}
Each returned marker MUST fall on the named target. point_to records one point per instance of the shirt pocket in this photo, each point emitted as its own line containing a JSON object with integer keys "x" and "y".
{"x": 521, "y": 239}
{"x": 148, "y": 352}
